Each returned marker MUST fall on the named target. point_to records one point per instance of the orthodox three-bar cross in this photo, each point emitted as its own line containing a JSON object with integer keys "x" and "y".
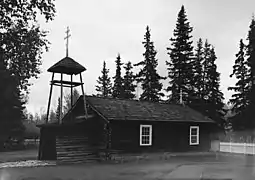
{"x": 67, "y": 39}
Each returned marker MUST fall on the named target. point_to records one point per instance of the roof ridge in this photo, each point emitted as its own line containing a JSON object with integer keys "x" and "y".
{"x": 133, "y": 100}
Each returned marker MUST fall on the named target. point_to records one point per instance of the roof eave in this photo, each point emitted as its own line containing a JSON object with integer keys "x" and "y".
{"x": 155, "y": 120}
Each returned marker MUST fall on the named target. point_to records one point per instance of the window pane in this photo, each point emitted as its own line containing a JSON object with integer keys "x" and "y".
{"x": 145, "y": 131}
{"x": 145, "y": 139}
{"x": 194, "y": 131}
{"x": 194, "y": 139}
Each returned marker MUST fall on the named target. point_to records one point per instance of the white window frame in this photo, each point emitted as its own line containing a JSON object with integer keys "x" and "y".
{"x": 197, "y": 135}
{"x": 150, "y": 135}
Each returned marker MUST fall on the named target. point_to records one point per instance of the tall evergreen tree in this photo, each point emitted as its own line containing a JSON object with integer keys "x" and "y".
{"x": 198, "y": 102}
{"x": 104, "y": 83}
{"x": 128, "y": 82}
{"x": 251, "y": 79}
{"x": 208, "y": 98}
{"x": 181, "y": 61}
{"x": 215, "y": 108}
{"x": 148, "y": 76}
{"x": 198, "y": 69}
{"x": 239, "y": 100}
{"x": 118, "y": 80}
{"x": 206, "y": 65}
{"x": 11, "y": 104}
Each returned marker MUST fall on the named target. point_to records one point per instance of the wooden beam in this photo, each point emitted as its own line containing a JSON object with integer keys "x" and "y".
{"x": 71, "y": 95}
{"x": 48, "y": 108}
{"x": 71, "y": 90}
{"x": 39, "y": 157}
{"x": 74, "y": 84}
{"x": 61, "y": 99}
{"x": 60, "y": 85}
{"x": 84, "y": 99}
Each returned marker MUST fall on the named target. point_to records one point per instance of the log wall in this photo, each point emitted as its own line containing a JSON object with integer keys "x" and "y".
{"x": 76, "y": 149}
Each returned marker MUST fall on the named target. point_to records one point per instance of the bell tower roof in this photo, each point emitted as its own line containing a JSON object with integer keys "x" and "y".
{"x": 67, "y": 66}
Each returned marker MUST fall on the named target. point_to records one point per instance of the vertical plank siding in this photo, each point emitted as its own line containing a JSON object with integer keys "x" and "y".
{"x": 166, "y": 136}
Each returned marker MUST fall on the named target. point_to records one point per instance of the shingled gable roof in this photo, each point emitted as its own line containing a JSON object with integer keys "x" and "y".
{"x": 67, "y": 66}
{"x": 119, "y": 109}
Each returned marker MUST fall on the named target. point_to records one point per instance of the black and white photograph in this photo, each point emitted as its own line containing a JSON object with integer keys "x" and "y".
{"x": 127, "y": 90}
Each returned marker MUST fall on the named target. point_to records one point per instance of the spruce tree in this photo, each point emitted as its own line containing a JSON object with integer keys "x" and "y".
{"x": 11, "y": 104}
{"x": 245, "y": 71}
{"x": 128, "y": 82}
{"x": 104, "y": 83}
{"x": 206, "y": 70}
{"x": 215, "y": 107}
{"x": 251, "y": 78}
{"x": 198, "y": 69}
{"x": 117, "y": 91}
{"x": 181, "y": 61}
{"x": 148, "y": 76}
{"x": 198, "y": 81}
{"x": 207, "y": 98}
{"x": 239, "y": 99}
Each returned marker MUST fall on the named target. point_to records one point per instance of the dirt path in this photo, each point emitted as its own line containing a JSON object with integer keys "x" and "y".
{"x": 233, "y": 167}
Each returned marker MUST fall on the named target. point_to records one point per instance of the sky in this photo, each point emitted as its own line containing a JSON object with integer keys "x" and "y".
{"x": 101, "y": 29}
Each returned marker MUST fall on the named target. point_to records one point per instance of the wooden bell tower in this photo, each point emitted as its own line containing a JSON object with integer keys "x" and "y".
{"x": 66, "y": 66}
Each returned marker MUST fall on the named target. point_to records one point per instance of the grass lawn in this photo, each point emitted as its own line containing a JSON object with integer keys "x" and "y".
{"x": 182, "y": 167}
{"x": 30, "y": 154}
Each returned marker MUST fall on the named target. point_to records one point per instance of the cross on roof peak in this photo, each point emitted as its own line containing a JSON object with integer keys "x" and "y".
{"x": 67, "y": 39}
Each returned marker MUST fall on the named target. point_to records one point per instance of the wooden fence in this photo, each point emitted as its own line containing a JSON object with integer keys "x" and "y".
{"x": 240, "y": 148}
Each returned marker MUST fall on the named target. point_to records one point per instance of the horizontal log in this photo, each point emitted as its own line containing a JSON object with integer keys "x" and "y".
{"x": 75, "y": 153}
{"x": 78, "y": 152}
{"x": 79, "y": 159}
{"x": 94, "y": 148}
{"x": 81, "y": 141}
{"x": 67, "y": 140}
{"x": 80, "y": 145}
{"x": 86, "y": 154}
{"x": 72, "y": 143}
{"x": 72, "y": 137}
{"x": 61, "y": 148}
{"x": 76, "y": 161}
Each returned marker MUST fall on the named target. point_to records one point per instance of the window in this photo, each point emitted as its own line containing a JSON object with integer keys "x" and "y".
{"x": 145, "y": 135}
{"x": 194, "y": 135}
